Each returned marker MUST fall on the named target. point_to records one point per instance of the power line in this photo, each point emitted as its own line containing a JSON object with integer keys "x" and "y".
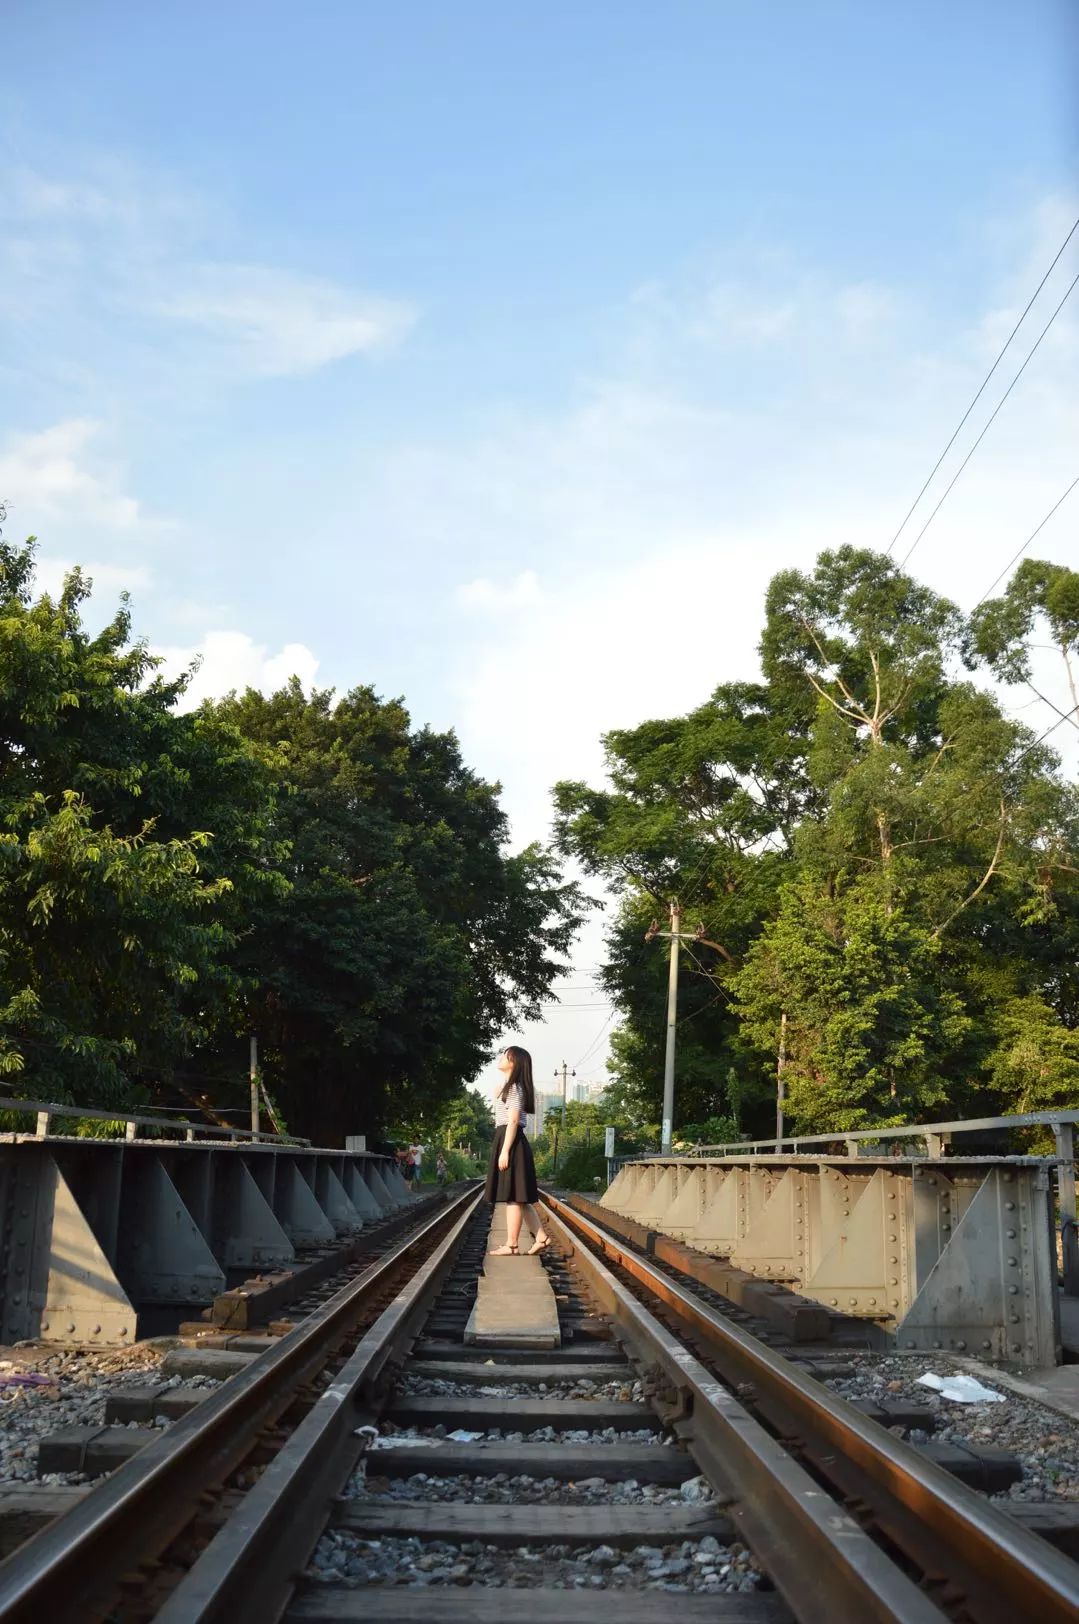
{"x": 595, "y": 1041}
{"x": 951, "y": 483}
{"x": 1058, "y": 503}
{"x": 981, "y": 388}
{"x": 1065, "y": 716}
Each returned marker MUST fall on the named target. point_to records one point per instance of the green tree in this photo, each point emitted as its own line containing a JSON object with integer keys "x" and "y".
{"x": 408, "y": 937}
{"x": 468, "y": 1120}
{"x": 1039, "y": 594}
{"x": 702, "y": 808}
{"x": 941, "y": 851}
{"x": 131, "y": 838}
{"x": 866, "y": 845}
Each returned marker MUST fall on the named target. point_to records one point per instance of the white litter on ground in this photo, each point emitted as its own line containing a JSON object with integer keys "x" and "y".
{"x": 961, "y": 1389}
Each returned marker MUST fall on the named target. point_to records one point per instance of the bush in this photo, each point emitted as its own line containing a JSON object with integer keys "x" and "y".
{"x": 458, "y": 1166}
{"x": 583, "y": 1168}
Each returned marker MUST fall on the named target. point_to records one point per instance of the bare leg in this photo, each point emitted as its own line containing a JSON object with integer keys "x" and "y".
{"x": 513, "y": 1231}
{"x": 534, "y": 1222}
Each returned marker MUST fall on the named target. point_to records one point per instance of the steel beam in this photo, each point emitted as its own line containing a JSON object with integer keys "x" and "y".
{"x": 955, "y": 1254}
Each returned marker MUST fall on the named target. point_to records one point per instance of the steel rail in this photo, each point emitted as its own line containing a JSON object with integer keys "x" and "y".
{"x": 822, "y": 1563}
{"x": 963, "y": 1544}
{"x": 71, "y": 1569}
{"x": 249, "y": 1569}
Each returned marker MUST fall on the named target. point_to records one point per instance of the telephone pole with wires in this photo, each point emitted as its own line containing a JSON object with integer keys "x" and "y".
{"x": 674, "y": 936}
{"x": 566, "y": 1073}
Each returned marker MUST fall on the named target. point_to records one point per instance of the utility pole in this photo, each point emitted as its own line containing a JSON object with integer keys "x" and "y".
{"x": 565, "y": 1073}
{"x": 675, "y": 937}
{"x": 254, "y": 1078}
{"x": 779, "y": 1077}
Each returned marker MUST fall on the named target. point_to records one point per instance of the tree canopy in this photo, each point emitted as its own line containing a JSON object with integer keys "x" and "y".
{"x": 308, "y": 868}
{"x": 875, "y": 856}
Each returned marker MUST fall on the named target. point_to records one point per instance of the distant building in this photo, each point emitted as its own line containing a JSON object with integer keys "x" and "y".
{"x": 543, "y": 1105}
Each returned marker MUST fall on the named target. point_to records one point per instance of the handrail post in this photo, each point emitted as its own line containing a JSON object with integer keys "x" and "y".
{"x": 1064, "y": 1135}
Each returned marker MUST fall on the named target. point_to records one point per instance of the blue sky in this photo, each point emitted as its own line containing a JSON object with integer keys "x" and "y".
{"x": 473, "y": 351}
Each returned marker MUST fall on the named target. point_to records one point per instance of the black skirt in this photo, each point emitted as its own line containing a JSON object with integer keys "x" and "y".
{"x": 518, "y": 1181}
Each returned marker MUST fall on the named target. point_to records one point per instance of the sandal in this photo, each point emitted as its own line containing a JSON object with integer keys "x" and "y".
{"x": 538, "y": 1246}
{"x": 504, "y": 1251}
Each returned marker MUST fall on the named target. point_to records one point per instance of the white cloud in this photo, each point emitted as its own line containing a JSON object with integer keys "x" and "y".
{"x": 54, "y": 474}
{"x": 108, "y": 580}
{"x": 734, "y": 313}
{"x": 232, "y": 660}
{"x": 490, "y": 598}
{"x": 277, "y": 322}
{"x": 80, "y": 250}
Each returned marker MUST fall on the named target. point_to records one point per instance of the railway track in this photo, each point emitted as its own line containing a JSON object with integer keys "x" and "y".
{"x": 329, "y": 1461}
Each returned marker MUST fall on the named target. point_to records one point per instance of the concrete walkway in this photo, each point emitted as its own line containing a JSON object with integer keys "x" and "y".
{"x": 515, "y": 1306}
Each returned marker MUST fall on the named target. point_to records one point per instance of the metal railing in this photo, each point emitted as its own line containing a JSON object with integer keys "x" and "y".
{"x": 44, "y": 1111}
{"x": 934, "y": 1138}
{"x": 934, "y": 1135}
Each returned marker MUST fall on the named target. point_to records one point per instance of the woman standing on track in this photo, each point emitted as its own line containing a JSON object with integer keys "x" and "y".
{"x": 511, "y": 1175}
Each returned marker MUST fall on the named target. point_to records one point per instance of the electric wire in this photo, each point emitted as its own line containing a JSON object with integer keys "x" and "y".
{"x": 989, "y": 423}
{"x": 1007, "y": 568}
{"x": 982, "y": 386}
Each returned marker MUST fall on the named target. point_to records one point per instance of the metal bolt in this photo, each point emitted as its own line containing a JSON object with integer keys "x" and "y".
{"x": 893, "y": 1260}
{"x": 961, "y": 1346}
{"x": 1013, "y": 1319}
{"x": 1009, "y": 1234}
{"x": 945, "y": 1226}
{"x": 1009, "y": 1206}
{"x": 1014, "y": 1261}
{"x": 71, "y": 1329}
{"x": 987, "y": 1346}
{"x": 1013, "y": 1291}
{"x": 1017, "y": 1347}
{"x": 895, "y": 1304}
{"x": 938, "y": 1344}
{"x": 853, "y": 1301}
{"x": 893, "y": 1280}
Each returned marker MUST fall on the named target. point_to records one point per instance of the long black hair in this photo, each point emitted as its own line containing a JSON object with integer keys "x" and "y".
{"x": 520, "y": 1077}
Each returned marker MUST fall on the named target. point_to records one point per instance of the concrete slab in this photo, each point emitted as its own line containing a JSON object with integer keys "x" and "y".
{"x": 515, "y": 1306}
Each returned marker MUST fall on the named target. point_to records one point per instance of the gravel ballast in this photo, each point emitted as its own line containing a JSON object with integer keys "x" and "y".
{"x": 700, "y": 1566}
{"x": 624, "y": 1392}
{"x": 1047, "y": 1443}
{"x": 519, "y": 1490}
{"x": 497, "y": 1435}
{"x": 79, "y": 1381}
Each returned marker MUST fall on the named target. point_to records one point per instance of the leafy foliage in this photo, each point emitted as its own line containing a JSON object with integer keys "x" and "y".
{"x": 867, "y": 846}
{"x": 310, "y": 869}
{"x": 132, "y": 840}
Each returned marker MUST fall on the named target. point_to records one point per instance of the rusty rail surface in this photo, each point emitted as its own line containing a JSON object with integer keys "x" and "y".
{"x": 69, "y": 1573}
{"x": 971, "y": 1560}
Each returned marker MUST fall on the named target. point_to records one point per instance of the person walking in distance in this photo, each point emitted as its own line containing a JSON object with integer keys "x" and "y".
{"x": 511, "y": 1175}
